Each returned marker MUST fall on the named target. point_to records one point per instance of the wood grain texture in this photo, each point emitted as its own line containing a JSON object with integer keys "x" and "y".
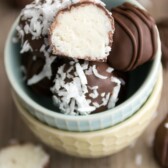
{"x": 12, "y": 127}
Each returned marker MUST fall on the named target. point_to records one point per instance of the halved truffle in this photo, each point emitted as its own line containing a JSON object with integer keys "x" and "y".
{"x": 37, "y": 61}
{"x": 84, "y": 31}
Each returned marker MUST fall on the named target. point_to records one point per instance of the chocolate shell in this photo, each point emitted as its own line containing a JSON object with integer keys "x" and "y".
{"x": 161, "y": 144}
{"x": 163, "y": 30}
{"x": 34, "y": 61}
{"x": 83, "y": 88}
{"x": 135, "y": 38}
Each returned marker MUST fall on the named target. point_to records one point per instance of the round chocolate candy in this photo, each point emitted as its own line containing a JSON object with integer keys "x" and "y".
{"x": 161, "y": 144}
{"x": 163, "y": 30}
{"x": 135, "y": 38}
{"x": 82, "y": 88}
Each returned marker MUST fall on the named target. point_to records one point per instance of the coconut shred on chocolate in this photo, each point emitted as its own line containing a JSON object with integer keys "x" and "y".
{"x": 82, "y": 88}
{"x": 38, "y": 62}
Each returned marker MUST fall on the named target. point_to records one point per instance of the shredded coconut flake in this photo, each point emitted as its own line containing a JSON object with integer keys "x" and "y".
{"x": 138, "y": 160}
{"x": 166, "y": 125}
{"x": 26, "y": 47}
{"x": 96, "y": 104}
{"x": 93, "y": 88}
{"x": 114, "y": 97}
{"x": 95, "y": 94}
{"x": 89, "y": 71}
{"x": 81, "y": 74}
{"x": 103, "y": 94}
{"x": 97, "y": 74}
{"x": 71, "y": 95}
{"x": 46, "y": 71}
{"x": 109, "y": 70}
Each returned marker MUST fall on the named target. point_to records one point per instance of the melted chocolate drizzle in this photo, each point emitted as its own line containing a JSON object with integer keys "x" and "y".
{"x": 136, "y": 16}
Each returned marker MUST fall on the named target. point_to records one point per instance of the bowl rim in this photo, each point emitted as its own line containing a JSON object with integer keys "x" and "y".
{"x": 147, "y": 105}
{"x": 26, "y": 98}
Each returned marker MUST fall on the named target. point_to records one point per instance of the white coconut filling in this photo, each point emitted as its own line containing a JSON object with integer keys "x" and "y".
{"x": 40, "y": 15}
{"x": 23, "y": 156}
{"x": 70, "y": 95}
{"x": 83, "y": 32}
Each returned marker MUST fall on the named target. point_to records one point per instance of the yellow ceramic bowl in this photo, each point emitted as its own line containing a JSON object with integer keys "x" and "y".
{"x": 97, "y": 143}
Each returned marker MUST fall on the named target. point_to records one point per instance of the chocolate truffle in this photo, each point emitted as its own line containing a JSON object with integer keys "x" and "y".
{"x": 161, "y": 144}
{"x": 135, "y": 38}
{"x": 23, "y": 155}
{"x": 163, "y": 30}
{"x": 38, "y": 63}
{"x": 83, "y": 30}
{"x": 82, "y": 88}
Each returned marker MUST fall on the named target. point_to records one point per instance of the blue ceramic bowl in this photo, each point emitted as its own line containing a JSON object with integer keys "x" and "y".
{"x": 141, "y": 85}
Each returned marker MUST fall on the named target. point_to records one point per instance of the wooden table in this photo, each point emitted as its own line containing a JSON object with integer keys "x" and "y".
{"x": 12, "y": 127}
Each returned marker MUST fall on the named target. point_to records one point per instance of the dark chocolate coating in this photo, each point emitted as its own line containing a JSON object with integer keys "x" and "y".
{"x": 161, "y": 144}
{"x": 135, "y": 38}
{"x": 35, "y": 66}
{"x": 104, "y": 85}
{"x": 163, "y": 30}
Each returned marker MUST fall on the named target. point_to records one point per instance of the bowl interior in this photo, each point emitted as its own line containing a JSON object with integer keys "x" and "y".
{"x": 136, "y": 77}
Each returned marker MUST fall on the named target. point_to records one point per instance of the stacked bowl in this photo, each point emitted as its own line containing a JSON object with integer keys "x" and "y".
{"x": 95, "y": 135}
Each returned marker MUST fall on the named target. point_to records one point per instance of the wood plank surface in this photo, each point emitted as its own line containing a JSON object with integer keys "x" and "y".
{"x": 12, "y": 127}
